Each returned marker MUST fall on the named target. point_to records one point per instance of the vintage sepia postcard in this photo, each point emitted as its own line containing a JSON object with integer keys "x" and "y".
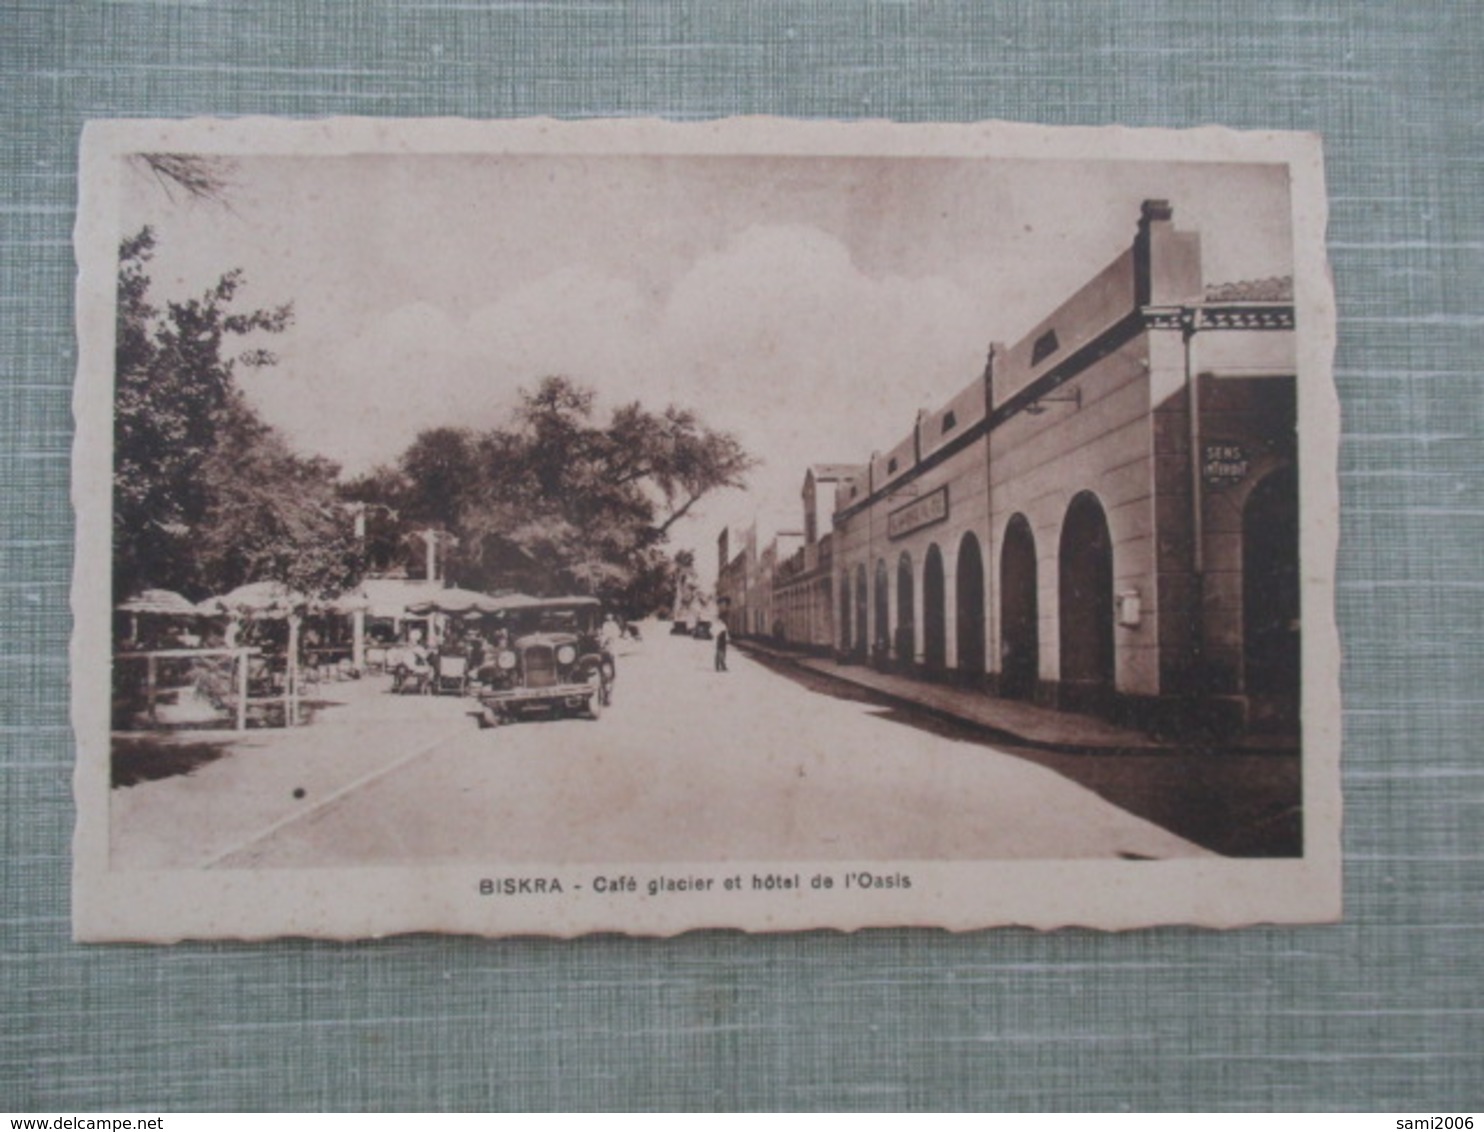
{"x": 554, "y": 527}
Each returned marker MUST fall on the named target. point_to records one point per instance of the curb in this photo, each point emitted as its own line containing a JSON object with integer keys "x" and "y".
{"x": 989, "y": 730}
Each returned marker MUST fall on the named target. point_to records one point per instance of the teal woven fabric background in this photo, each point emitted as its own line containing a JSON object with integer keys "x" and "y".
{"x": 1384, "y": 1011}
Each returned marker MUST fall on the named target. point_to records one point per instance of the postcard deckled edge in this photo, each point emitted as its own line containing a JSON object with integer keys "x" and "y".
{"x": 371, "y": 902}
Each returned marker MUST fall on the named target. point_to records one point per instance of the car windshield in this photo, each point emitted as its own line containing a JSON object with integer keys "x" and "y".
{"x": 547, "y": 621}
{"x": 526, "y": 621}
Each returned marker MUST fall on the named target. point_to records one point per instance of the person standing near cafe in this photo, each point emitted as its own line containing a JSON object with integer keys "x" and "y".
{"x": 721, "y": 644}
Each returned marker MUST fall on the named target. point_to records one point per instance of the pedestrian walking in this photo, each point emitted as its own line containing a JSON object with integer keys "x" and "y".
{"x": 721, "y": 644}
{"x": 610, "y": 634}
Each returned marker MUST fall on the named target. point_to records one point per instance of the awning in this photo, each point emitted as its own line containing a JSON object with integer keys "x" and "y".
{"x": 390, "y": 597}
{"x": 514, "y": 603}
{"x": 455, "y": 602}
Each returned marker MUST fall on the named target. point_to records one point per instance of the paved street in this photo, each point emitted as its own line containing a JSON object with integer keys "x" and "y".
{"x": 687, "y": 765}
{"x": 1242, "y": 799}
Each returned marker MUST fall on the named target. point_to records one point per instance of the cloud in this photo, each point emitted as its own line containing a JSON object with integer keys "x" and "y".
{"x": 778, "y": 336}
{"x": 574, "y": 321}
{"x": 363, "y": 397}
{"x": 811, "y": 359}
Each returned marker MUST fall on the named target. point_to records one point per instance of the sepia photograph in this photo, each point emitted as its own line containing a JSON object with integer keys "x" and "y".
{"x": 547, "y": 527}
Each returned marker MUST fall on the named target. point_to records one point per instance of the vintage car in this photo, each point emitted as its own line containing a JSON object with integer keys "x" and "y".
{"x": 550, "y": 660}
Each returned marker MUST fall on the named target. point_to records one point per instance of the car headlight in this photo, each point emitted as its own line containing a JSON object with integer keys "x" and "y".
{"x": 506, "y": 660}
{"x": 566, "y": 654}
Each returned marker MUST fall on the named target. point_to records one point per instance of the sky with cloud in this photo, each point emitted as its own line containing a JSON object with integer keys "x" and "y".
{"x": 810, "y": 305}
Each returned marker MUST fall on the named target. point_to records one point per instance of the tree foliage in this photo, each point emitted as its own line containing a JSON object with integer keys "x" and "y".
{"x": 206, "y": 495}
{"x": 561, "y": 501}
{"x": 273, "y": 515}
{"x": 195, "y": 176}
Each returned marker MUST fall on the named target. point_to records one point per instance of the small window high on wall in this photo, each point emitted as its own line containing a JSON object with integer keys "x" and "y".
{"x": 1045, "y": 346}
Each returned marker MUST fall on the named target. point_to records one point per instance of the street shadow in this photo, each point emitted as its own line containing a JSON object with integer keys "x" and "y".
{"x": 1233, "y": 803}
{"x": 149, "y": 758}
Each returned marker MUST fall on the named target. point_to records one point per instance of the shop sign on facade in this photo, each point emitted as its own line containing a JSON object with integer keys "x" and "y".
{"x": 1225, "y": 464}
{"x": 919, "y": 513}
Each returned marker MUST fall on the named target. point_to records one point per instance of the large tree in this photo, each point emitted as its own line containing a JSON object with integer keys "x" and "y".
{"x": 272, "y": 514}
{"x": 561, "y": 500}
{"x": 207, "y": 495}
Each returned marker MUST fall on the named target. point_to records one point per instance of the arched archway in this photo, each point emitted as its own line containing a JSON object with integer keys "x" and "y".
{"x": 845, "y": 612}
{"x": 1020, "y": 629}
{"x": 1270, "y": 602}
{"x": 1085, "y": 606}
{"x": 862, "y": 600}
{"x": 881, "y": 640}
{"x": 934, "y": 615}
{"x": 822, "y": 614}
{"x": 969, "y": 605}
{"x": 906, "y": 642}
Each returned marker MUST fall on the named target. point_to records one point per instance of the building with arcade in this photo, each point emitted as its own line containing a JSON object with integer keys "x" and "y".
{"x": 1105, "y": 520}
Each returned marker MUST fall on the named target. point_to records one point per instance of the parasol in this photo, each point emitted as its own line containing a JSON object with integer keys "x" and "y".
{"x": 261, "y": 599}
{"x": 165, "y": 602}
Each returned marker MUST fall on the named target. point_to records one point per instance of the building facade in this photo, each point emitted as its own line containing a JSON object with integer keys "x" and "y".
{"x": 1105, "y": 520}
{"x": 803, "y": 582}
{"x": 747, "y": 583}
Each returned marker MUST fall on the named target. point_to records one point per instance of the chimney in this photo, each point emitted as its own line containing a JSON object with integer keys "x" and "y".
{"x": 1167, "y": 262}
{"x": 1155, "y": 216}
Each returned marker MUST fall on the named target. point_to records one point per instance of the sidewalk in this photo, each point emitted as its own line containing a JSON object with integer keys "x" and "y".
{"x": 1239, "y": 801}
{"x": 1010, "y": 721}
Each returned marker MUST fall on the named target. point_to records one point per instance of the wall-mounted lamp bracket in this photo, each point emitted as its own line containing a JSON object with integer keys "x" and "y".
{"x": 1072, "y": 396}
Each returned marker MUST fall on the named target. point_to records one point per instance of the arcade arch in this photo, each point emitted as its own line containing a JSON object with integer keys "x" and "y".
{"x": 1085, "y": 605}
{"x": 845, "y": 612}
{"x": 969, "y": 607}
{"x": 1020, "y": 619}
{"x": 881, "y": 640}
{"x": 906, "y": 635}
{"x": 934, "y": 614}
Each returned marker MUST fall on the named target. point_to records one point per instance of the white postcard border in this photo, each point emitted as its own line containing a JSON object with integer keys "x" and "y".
{"x": 369, "y": 902}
